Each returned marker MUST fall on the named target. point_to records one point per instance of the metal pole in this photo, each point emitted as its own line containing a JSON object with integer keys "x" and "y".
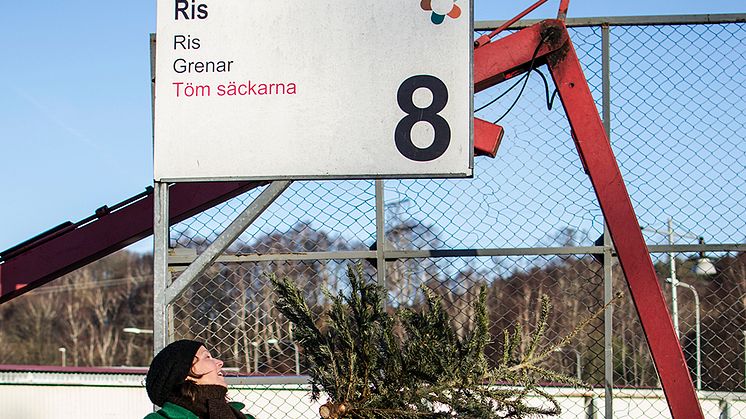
{"x": 608, "y": 257}
{"x": 590, "y": 406}
{"x": 697, "y": 330}
{"x": 160, "y": 264}
{"x": 256, "y": 356}
{"x": 674, "y": 281}
{"x": 608, "y": 328}
{"x": 63, "y": 353}
{"x": 724, "y": 409}
{"x": 161, "y": 323}
{"x": 226, "y": 238}
{"x": 297, "y": 359}
{"x": 295, "y": 348}
{"x": 380, "y": 238}
{"x": 160, "y": 235}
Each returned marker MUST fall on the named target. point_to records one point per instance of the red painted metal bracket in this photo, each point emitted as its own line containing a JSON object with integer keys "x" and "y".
{"x": 515, "y": 54}
{"x": 71, "y": 246}
{"x": 487, "y": 138}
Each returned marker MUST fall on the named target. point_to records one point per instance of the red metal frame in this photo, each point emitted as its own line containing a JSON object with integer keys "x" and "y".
{"x": 62, "y": 251}
{"x": 512, "y": 55}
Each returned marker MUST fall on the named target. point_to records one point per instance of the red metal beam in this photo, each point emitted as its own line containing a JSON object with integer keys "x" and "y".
{"x": 514, "y": 54}
{"x": 562, "y": 12}
{"x": 70, "y": 246}
{"x": 484, "y": 39}
{"x": 48, "y": 258}
{"x": 634, "y": 257}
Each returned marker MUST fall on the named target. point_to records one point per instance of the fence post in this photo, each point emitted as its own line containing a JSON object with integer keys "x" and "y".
{"x": 380, "y": 237}
{"x": 160, "y": 265}
{"x": 607, "y": 256}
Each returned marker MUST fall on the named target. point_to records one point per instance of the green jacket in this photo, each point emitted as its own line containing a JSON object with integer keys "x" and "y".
{"x": 174, "y": 411}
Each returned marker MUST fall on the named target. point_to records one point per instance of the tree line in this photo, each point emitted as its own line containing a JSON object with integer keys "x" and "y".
{"x": 232, "y": 307}
{"x": 85, "y": 313}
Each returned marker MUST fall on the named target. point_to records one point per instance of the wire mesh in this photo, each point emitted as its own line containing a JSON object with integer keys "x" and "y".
{"x": 677, "y": 112}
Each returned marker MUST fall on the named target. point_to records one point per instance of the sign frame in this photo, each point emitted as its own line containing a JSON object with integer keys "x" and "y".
{"x": 361, "y": 166}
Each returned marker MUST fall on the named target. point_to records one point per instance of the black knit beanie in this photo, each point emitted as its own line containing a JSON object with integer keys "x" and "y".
{"x": 169, "y": 369}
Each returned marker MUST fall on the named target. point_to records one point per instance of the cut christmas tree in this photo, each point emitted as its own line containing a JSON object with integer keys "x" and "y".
{"x": 410, "y": 363}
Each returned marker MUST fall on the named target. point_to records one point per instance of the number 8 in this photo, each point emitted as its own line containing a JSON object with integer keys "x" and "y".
{"x": 403, "y": 131}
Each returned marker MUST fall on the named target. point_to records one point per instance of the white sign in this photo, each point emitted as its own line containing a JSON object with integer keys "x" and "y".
{"x": 291, "y": 89}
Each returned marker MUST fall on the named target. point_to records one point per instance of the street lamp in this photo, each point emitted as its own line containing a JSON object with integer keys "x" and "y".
{"x": 703, "y": 266}
{"x": 697, "y": 329}
{"x": 578, "y": 369}
{"x": 137, "y": 331}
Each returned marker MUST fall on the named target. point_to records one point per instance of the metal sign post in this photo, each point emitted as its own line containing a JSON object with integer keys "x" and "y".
{"x": 287, "y": 90}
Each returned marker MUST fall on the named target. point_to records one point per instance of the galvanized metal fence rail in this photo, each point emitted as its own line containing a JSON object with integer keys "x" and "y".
{"x": 671, "y": 92}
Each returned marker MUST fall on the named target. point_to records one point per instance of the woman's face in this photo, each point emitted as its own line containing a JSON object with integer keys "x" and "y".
{"x": 207, "y": 368}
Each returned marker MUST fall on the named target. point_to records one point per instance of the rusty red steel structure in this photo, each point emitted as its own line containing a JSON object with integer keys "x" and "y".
{"x": 70, "y": 246}
{"x": 548, "y": 43}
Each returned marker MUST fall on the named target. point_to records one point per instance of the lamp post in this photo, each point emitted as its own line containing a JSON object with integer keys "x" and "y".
{"x": 63, "y": 354}
{"x": 697, "y": 330}
{"x": 295, "y": 349}
{"x": 703, "y": 266}
{"x": 674, "y": 281}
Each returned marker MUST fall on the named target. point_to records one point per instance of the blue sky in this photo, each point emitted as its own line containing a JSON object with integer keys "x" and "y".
{"x": 75, "y": 128}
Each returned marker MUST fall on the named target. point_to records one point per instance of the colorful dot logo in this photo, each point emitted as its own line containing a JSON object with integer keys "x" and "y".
{"x": 441, "y": 9}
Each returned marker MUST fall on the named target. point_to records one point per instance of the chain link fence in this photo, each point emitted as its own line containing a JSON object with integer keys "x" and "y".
{"x": 526, "y": 225}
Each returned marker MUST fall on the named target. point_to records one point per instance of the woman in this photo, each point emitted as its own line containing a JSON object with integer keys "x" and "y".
{"x": 188, "y": 383}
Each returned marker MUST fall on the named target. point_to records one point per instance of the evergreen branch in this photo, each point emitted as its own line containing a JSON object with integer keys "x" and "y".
{"x": 539, "y": 334}
{"x": 424, "y": 369}
{"x": 568, "y": 338}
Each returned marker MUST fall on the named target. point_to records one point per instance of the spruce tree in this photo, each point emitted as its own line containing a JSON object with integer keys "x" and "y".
{"x": 412, "y": 364}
